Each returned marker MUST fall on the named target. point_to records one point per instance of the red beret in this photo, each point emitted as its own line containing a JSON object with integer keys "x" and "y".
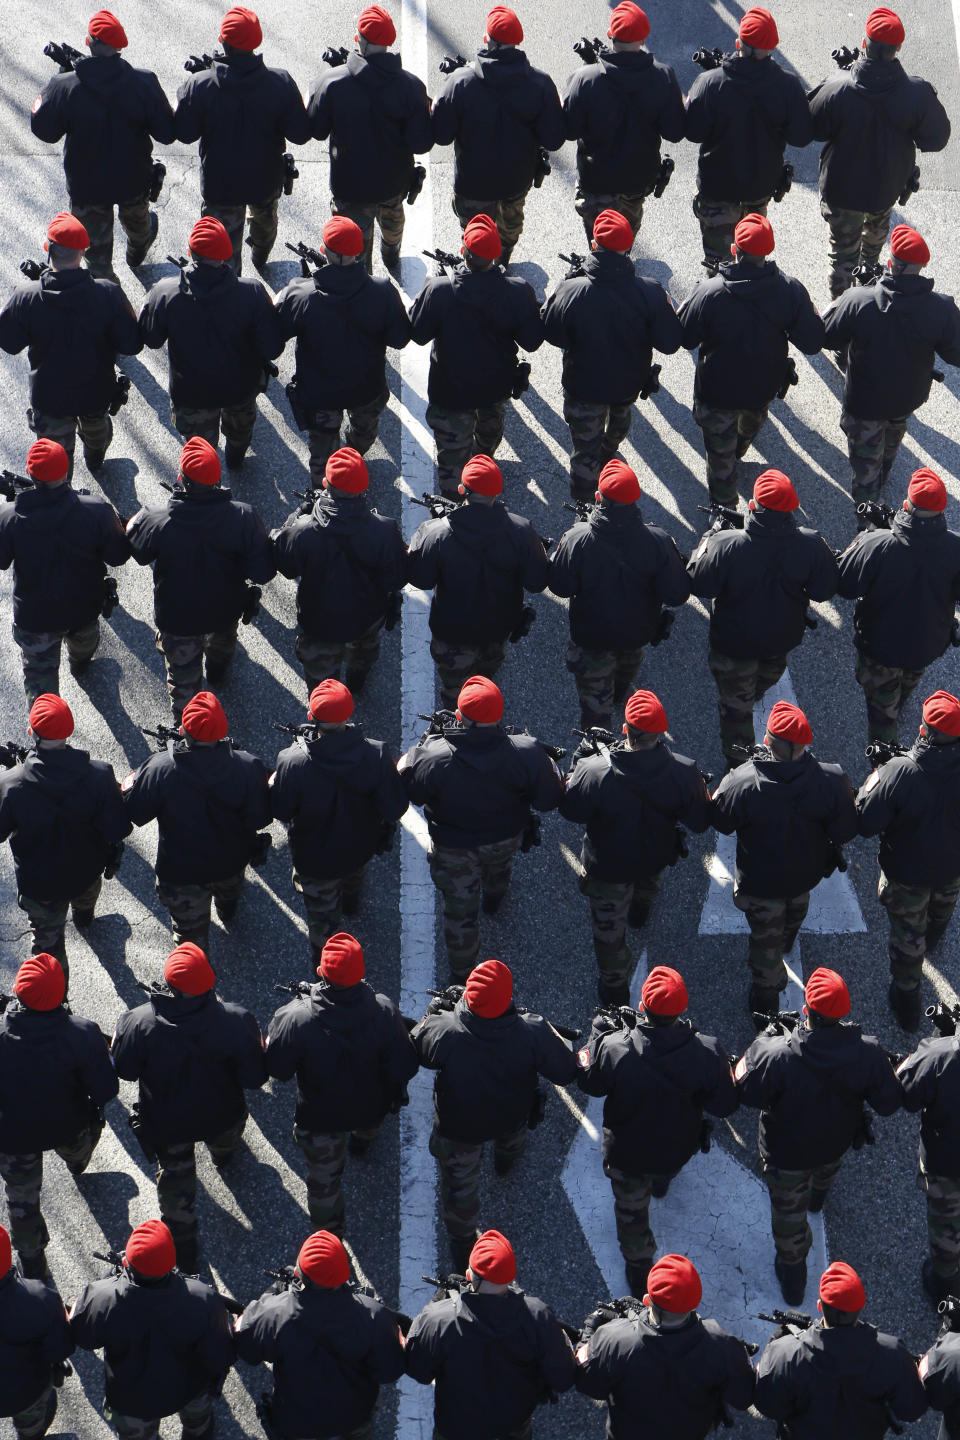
{"x": 942, "y": 711}
{"x": 629, "y": 23}
{"x": 330, "y": 702}
{"x": 6, "y": 1252}
{"x": 826, "y": 992}
{"x": 503, "y": 25}
{"x": 341, "y": 960}
{"x": 376, "y": 26}
{"x": 47, "y": 461}
{"x": 40, "y": 983}
{"x": 150, "y": 1250}
{"x": 758, "y": 29}
{"x": 612, "y": 230}
{"x": 664, "y": 992}
{"x": 482, "y": 475}
{"x": 209, "y": 238}
{"x": 926, "y": 490}
{"x": 480, "y": 700}
{"x": 323, "y": 1260}
{"x": 187, "y": 969}
{"x": 199, "y": 462}
{"x": 885, "y": 26}
{"x": 203, "y": 717}
{"x": 346, "y": 470}
{"x": 788, "y": 722}
{"x": 51, "y": 718}
{"x": 482, "y": 238}
{"x": 618, "y": 482}
{"x": 841, "y": 1287}
{"x": 66, "y": 230}
{"x": 492, "y": 1258}
{"x": 241, "y": 29}
{"x": 644, "y": 712}
{"x": 774, "y": 491}
{"x": 674, "y": 1285}
{"x": 754, "y": 235}
{"x": 908, "y": 244}
{"x": 106, "y": 27}
{"x": 343, "y": 236}
{"x": 489, "y": 989}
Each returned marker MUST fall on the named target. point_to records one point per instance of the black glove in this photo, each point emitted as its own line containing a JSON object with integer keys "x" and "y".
{"x": 113, "y": 860}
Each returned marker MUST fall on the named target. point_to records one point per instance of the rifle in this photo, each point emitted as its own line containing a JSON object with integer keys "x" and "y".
{"x": 163, "y": 735}
{"x": 583, "y": 509}
{"x": 11, "y": 484}
{"x": 158, "y": 173}
{"x": 440, "y": 506}
{"x": 911, "y": 187}
{"x": 299, "y": 987}
{"x": 446, "y": 260}
{"x": 878, "y": 752}
{"x": 667, "y": 167}
{"x": 309, "y": 498}
{"x": 783, "y": 1023}
{"x": 443, "y": 1284}
{"x": 33, "y": 269}
{"x": 845, "y": 56}
{"x": 290, "y": 172}
{"x": 575, "y": 263}
{"x": 63, "y": 55}
{"x": 949, "y": 1309}
{"x": 285, "y": 1278}
{"x": 417, "y": 177}
{"x": 866, "y": 273}
{"x": 111, "y": 597}
{"x": 592, "y": 739}
{"x": 589, "y": 50}
{"x": 116, "y": 1258}
{"x": 793, "y": 1322}
{"x": 945, "y": 1019}
{"x": 121, "y": 392}
{"x": 652, "y": 383}
{"x": 449, "y": 63}
{"x": 708, "y": 59}
{"x": 440, "y": 720}
{"x": 790, "y": 378}
{"x": 722, "y": 517}
{"x": 784, "y": 184}
{"x": 307, "y": 730}
{"x": 335, "y": 55}
{"x": 195, "y": 63}
{"x": 12, "y": 754}
{"x": 875, "y": 513}
{"x": 450, "y": 995}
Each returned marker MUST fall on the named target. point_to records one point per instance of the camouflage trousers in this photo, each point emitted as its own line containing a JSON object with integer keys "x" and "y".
{"x": 596, "y": 434}
{"x": 919, "y": 916}
{"x": 23, "y": 1179}
{"x": 856, "y": 238}
{"x": 719, "y": 219}
{"x": 631, "y": 1209}
{"x": 943, "y": 1220}
{"x": 610, "y": 904}
{"x": 35, "y": 1420}
{"x": 40, "y": 655}
{"x": 460, "y": 434}
{"x": 322, "y": 900}
{"x": 459, "y": 1162}
{"x": 588, "y": 205}
{"x": 886, "y": 689}
{"x": 189, "y": 906}
{"x": 322, "y": 659}
{"x": 96, "y": 431}
{"x": 774, "y": 926}
{"x": 388, "y": 214}
{"x": 323, "y": 436}
{"x": 456, "y": 663}
{"x": 236, "y": 422}
{"x": 195, "y": 1417}
{"x": 262, "y": 230}
{"x": 791, "y": 1192}
{"x": 326, "y": 1157}
{"x": 603, "y": 678}
{"x": 134, "y": 217}
{"x": 48, "y": 920}
{"x": 872, "y": 446}
{"x": 183, "y": 659}
{"x": 463, "y": 878}
{"x": 507, "y": 214}
{"x": 740, "y": 685}
{"x": 177, "y": 1180}
{"x": 727, "y": 436}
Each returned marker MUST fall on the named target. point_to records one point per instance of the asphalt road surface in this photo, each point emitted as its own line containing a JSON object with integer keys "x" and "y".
{"x": 255, "y": 1216}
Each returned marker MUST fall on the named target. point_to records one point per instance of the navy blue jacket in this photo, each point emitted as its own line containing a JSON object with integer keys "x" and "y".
{"x": 930, "y": 1081}
{"x": 377, "y": 116}
{"x": 34, "y": 1335}
{"x": 618, "y": 111}
{"x": 743, "y": 115}
{"x": 913, "y": 803}
{"x": 55, "y": 1071}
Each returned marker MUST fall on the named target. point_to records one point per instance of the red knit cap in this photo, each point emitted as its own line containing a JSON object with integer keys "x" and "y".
{"x": 66, "y": 230}
{"x": 376, "y": 26}
{"x": 754, "y": 235}
{"x": 841, "y": 1287}
{"x": 909, "y": 245}
{"x": 341, "y": 960}
{"x": 482, "y": 238}
{"x": 645, "y": 712}
{"x": 346, "y": 470}
{"x": 942, "y": 711}
{"x": 664, "y": 992}
{"x": 674, "y": 1285}
{"x": 203, "y": 717}
{"x": 774, "y": 491}
{"x": 6, "y": 1252}
{"x": 885, "y": 26}
{"x": 492, "y": 1258}
{"x": 330, "y": 702}
{"x": 40, "y": 983}
{"x": 150, "y": 1250}
{"x": 618, "y": 482}
{"x": 612, "y": 230}
{"x": 482, "y": 475}
{"x": 209, "y": 238}
{"x": 480, "y": 700}
{"x": 489, "y": 989}
{"x": 323, "y": 1260}
{"x": 788, "y": 722}
{"x": 826, "y": 992}
{"x": 241, "y": 29}
{"x": 926, "y": 490}
{"x": 187, "y": 969}
{"x": 503, "y": 25}
{"x": 51, "y": 718}
{"x": 47, "y": 461}
{"x": 199, "y": 462}
{"x": 628, "y": 23}
{"x": 343, "y": 236}
{"x": 106, "y": 27}
{"x": 758, "y": 29}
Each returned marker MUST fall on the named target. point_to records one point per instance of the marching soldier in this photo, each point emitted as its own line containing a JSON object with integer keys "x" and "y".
{"x": 35, "y": 1342}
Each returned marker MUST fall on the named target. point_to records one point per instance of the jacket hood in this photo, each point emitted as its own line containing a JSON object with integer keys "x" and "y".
{"x": 37, "y": 1024}
{"x": 57, "y": 769}
{"x": 666, "y": 1038}
{"x": 889, "y": 287}
{"x": 608, "y": 265}
{"x": 638, "y": 767}
{"x": 770, "y": 522}
{"x": 481, "y": 528}
{"x": 795, "y": 774}
{"x": 37, "y": 505}
{"x": 617, "y": 523}
{"x": 340, "y": 282}
{"x": 496, "y": 1315}
{"x": 191, "y": 502}
{"x": 828, "y": 1046}
{"x": 624, "y": 66}
{"x": 479, "y": 747}
{"x": 340, "y": 511}
{"x": 337, "y": 750}
{"x": 208, "y": 283}
{"x": 177, "y": 1008}
{"x": 377, "y": 73}
{"x": 748, "y": 70}
{"x": 877, "y": 77}
{"x": 102, "y": 73}
{"x": 239, "y": 70}
{"x": 66, "y": 289}
{"x": 340, "y": 1008}
{"x": 481, "y": 1027}
{"x": 740, "y": 275}
{"x": 936, "y": 760}
{"x": 507, "y": 71}
{"x": 919, "y": 531}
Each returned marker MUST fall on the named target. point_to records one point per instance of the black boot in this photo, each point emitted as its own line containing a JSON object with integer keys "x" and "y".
{"x": 188, "y": 1259}
{"x": 136, "y": 254}
{"x": 615, "y": 992}
{"x": 793, "y": 1280}
{"x": 234, "y": 455}
{"x": 638, "y": 1273}
{"x": 906, "y": 1005}
{"x": 460, "y": 1247}
{"x": 490, "y": 904}
{"x": 935, "y": 934}
{"x": 938, "y": 1286}
{"x": 638, "y": 914}
{"x": 34, "y": 1267}
{"x": 763, "y": 1003}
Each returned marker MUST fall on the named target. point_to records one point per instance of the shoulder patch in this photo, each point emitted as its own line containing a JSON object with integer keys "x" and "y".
{"x": 127, "y": 782}
{"x": 923, "y": 1367}
{"x": 871, "y": 782}
{"x": 272, "y": 779}
{"x": 741, "y": 1069}
{"x": 36, "y": 105}
{"x": 583, "y": 1058}
{"x": 582, "y": 1354}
